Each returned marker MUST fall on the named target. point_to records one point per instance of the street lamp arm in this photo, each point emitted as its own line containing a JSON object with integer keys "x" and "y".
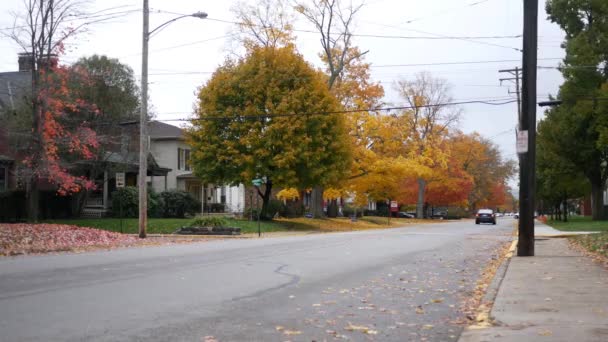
{"x": 200, "y": 15}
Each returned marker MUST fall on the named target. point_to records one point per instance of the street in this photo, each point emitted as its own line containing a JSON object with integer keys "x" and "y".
{"x": 387, "y": 285}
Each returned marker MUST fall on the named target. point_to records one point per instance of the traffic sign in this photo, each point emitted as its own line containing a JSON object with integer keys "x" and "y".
{"x": 120, "y": 179}
{"x": 522, "y": 142}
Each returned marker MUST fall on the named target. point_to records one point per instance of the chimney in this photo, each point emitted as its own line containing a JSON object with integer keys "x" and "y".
{"x": 25, "y": 62}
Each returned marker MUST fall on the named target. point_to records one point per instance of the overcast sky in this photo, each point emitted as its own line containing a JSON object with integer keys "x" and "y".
{"x": 183, "y": 55}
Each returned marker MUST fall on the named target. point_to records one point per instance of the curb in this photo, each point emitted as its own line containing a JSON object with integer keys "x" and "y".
{"x": 483, "y": 319}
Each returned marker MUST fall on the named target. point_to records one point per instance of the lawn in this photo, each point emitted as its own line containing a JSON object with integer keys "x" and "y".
{"x": 579, "y": 223}
{"x": 596, "y": 243}
{"x": 168, "y": 226}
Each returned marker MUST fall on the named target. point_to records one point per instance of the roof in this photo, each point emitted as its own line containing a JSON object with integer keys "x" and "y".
{"x": 13, "y": 88}
{"x": 162, "y": 131}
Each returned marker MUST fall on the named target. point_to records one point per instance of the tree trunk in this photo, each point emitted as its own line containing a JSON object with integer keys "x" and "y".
{"x": 316, "y": 208}
{"x": 597, "y": 201}
{"x": 266, "y": 200}
{"x": 332, "y": 208}
{"x": 32, "y": 194}
{"x": 565, "y": 206}
{"x": 420, "y": 201}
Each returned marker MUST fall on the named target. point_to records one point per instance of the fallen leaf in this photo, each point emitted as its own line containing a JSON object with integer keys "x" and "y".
{"x": 427, "y": 326}
{"x": 292, "y": 332}
{"x": 361, "y": 328}
{"x": 419, "y": 310}
{"x": 279, "y": 328}
{"x": 545, "y": 332}
{"x": 439, "y": 300}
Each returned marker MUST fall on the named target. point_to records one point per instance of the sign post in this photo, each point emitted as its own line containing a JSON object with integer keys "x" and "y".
{"x": 120, "y": 183}
{"x": 257, "y": 183}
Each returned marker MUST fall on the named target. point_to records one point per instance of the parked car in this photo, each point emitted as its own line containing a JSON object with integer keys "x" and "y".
{"x": 516, "y": 215}
{"x": 403, "y": 214}
{"x": 485, "y": 216}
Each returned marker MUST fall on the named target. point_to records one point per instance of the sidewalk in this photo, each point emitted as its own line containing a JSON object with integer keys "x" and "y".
{"x": 557, "y": 295}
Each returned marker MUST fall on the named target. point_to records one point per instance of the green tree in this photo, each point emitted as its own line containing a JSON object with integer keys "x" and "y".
{"x": 579, "y": 124}
{"x": 111, "y": 85}
{"x": 557, "y": 178}
{"x": 269, "y": 115}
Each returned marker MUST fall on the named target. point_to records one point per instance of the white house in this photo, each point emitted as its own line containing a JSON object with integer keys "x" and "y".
{"x": 170, "y": 150}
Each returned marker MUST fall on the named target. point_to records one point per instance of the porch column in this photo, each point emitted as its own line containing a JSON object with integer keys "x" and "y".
{"x": 165, "y": 182}
{"x": 203, "y": 199}
{"x": 105, "y": 189}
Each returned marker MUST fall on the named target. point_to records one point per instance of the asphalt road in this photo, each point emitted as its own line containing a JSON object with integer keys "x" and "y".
{"x": 384, "y": 285}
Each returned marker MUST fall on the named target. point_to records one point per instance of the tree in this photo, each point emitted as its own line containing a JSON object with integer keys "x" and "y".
{"x": 41, "y": 31}
{"x": 580, "y": 122}
{"x": 267, "y": 24}
{"x": 112, "y": 87}
{"x": 557, "y": 178}
{"x": 482, "y": 161}
{"x": 333, "y": 22}
{"x": 269, "y": 115}
{"x": 427, "y": 124}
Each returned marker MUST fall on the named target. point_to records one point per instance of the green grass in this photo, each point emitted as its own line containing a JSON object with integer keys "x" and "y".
{"x": 168, "y": 226}
{"x": 579, "y": 223}
{"x": 596, "y": 243}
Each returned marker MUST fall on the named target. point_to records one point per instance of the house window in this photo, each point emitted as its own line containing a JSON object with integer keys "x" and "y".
{"x": 3, "y": 178}
{"x": 183, "y": 159}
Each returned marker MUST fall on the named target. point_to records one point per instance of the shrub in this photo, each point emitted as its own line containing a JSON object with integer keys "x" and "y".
{"x": 208, "y": 221}
{"x": 251, "y": 214}
{"x": 12, "y": 206}
{"x": 292, "y": 209}
{"x": 350, "y": 212}
{"x": 273, "y": 207}
{"x": 178, "y": 203}
{"x": 128, "y": 199}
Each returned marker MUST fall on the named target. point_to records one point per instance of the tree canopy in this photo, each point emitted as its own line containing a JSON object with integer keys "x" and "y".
{"x": 270, "y": 115}
{"x": 578, "y": 125}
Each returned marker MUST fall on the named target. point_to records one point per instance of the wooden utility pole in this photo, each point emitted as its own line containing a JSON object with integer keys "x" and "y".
{"x": 527, "y": 123}
{"x": 516, "y": 78}
{"x": 143, "y": 125}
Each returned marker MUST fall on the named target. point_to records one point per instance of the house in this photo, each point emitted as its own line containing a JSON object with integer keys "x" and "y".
{"x": 169, "y": 148}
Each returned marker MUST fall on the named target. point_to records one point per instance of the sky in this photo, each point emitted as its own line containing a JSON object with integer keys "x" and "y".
{"x": 185, "y": 53}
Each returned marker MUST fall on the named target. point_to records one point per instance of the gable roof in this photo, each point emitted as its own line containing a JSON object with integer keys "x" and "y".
{"x": 13, "y": 88}
{"x": 161, "y": 131}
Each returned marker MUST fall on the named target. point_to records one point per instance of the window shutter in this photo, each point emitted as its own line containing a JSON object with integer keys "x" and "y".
{"x": 187, "y": 159}
{"x": 179, "y": 158}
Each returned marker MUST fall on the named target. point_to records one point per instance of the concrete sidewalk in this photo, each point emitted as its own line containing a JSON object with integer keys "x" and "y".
{"x": 557, "y": 295}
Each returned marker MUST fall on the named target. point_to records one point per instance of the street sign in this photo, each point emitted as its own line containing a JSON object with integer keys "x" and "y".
{"x": 522, "y": 142}
{"x": 257, "y": 182}
{"x": 394, "y": 206}
{"x": 120, "y": 179}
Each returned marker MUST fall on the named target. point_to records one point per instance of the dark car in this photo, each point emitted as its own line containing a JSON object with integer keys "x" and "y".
{"x": 485, "y": 216}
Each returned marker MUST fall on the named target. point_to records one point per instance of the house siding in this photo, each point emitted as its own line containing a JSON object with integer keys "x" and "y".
{"x": 165, "y": 153}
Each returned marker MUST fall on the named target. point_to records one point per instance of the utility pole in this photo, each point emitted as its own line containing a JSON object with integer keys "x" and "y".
{"x": 527, "y": 126}
{"x": 143, "y": 127}
{"x": 516, "y": 78}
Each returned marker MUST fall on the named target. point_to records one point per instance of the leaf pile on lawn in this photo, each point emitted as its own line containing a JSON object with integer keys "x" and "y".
{"x": 594, "y": 245}
{"x": 24, "y": 238}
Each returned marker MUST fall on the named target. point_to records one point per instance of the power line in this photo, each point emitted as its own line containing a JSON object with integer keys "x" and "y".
{"x": 367, "y": 35}
{"x": 377, "y": 109}
{"x": 450, "y": 10}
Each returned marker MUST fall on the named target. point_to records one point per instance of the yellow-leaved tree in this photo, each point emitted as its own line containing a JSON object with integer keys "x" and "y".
{"x": 426, "y": 126}
{"x": 269, "y": 115}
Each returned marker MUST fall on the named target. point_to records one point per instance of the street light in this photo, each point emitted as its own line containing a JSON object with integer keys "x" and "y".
{"x": 143, "y": 119}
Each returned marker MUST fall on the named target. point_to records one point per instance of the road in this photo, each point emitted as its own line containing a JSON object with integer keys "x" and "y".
{"x": 384, "y": 285}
